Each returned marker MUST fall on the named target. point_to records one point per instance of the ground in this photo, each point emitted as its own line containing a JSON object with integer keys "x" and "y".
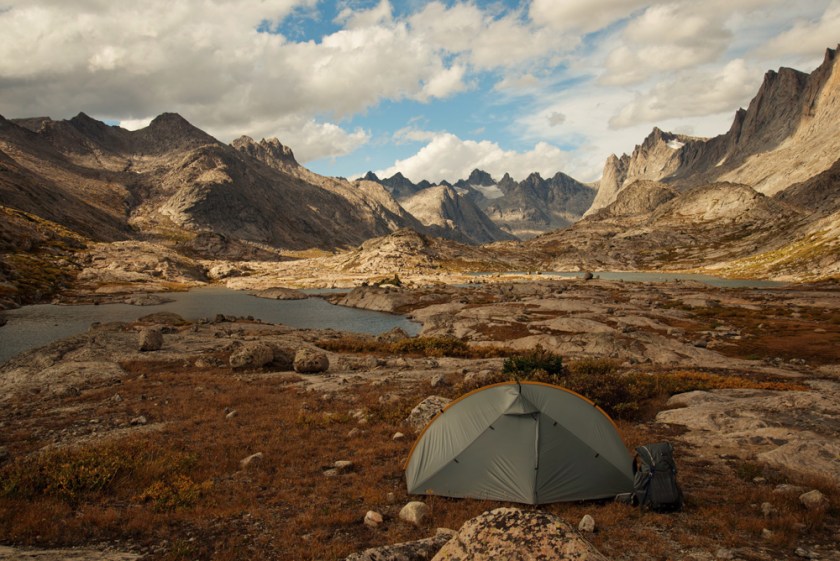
{"x": 126, "y": 453}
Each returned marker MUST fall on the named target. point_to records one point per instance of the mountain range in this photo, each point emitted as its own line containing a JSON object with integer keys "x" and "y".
{"x": 759, "y": 200}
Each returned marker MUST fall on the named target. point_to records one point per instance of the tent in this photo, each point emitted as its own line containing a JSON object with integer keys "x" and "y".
{"x": 525, "y": 442}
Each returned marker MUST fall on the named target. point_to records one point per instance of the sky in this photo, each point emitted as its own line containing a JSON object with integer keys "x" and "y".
{"x": 432, "y": 89}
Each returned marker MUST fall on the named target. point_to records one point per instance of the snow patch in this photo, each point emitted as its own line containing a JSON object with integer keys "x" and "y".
{"x": 720, "y": 163}
{"x": 675, "y": 144}
{"x": 489, "y": 191}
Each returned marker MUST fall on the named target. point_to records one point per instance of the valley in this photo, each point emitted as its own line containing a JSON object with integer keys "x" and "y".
{"x": 228, "y": 430}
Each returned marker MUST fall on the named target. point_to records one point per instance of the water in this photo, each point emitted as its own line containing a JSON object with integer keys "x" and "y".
{"x": 30, "y": 327}
{"x": 660, "y": 277}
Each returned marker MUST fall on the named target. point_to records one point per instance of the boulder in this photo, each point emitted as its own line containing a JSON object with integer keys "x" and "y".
{"x": 311, "y": 361}
{"x": 414, "y": 512}
{"x": 150, "y": 340}
{"x": 251, "y": 355}
{"x": 425, "y": 411}
{"x": 511, "y": 533}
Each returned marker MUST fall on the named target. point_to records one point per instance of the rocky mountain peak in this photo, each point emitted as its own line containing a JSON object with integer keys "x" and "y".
{"x": 480, "y": 177}
{"x": 269, "y": 151}
{"x": 370, "y": 176}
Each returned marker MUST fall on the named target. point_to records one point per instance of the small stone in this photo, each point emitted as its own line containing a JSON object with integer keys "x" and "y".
{"x": 116, "y": 398}
{"x": 759, "y": 480}
{"x": 251, "y": 460}
{"x": 768, "y": 510}
{"x": 723, "y": 553}
{"x": 414, "y": 512}
{"x": 391, "y": 498}
{"x": 398, "y": 436}
{"x": 141, "y": 420}
{"x": 343, "y": 466}
{"x": 587, "y": 524}
{"x": 150, "y": 340}
{"x": 231, "y": 414}
{"x": 438, "y": 380}
{"x": 805, "y": 553}
{"x": 813, "y": 500}
{"x": 766, "y": 534}
{"x": 373, "y": 519}
{"x": 332, "y": 472}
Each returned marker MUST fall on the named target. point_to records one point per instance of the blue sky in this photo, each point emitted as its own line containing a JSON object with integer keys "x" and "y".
{"x": 431, "y": 89}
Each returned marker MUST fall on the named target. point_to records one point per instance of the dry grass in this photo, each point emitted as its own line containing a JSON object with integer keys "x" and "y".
{"x": 184, "y": 484}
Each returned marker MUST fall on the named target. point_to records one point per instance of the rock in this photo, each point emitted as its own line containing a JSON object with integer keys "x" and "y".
{"x": 343, "y": 466}
{"x": 813, "y": 500}
{"x": 398, "y": 436}
{"x": 806, "y": 553}
{"x": 724, "y": 553}
{"x": 419, "y": 550}
{"x": 332, "y": 472}
{"x": 251, "y": 355}
{"x": 511, "y": 533}
{"x": 150, "y": 340}
{"x": 768, "y": 510}
{"x": 588, "y": 276}
{"x": 438, "y": 380}
{"x": 766, "y": 534}
{"x": 231, "y": 414}
{"x": 477, "y": 378}
{"x": 280, "y": 293}
{"x": 586, "y": 524}
{"x": 392, "y": 336}
{"x": 414, "y": 512}
{"x": 311, "y": 361}
{"x": 141, "y": 420}
{"x": 251, "y": 460}
{"x": 425, "y": 411}
{"x": 373, "y": 519}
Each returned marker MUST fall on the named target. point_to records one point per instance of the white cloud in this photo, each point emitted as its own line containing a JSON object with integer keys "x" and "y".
{"x": 448, "y": 157}
{"x": 207, "y": 60}
{"x": 582, "y": 15}
{"x": 692, "y": 94}
{"x": 808, "y": 35}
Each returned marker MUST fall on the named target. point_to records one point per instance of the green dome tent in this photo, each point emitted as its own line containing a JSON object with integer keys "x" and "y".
{"x": 526, "y": 442}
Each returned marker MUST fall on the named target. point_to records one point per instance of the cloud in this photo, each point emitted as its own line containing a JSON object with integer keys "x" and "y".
{"x": 209, "y": 61}
{"x": 692, "y": 94}
{"x": 448, "y": 157}
{"x": 582, "y": 15}
{"x": 667, "y": 37}
{"x": 808, "y": 36}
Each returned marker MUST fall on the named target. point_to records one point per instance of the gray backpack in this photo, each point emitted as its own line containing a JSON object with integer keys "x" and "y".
{"x": 655, "y": 478}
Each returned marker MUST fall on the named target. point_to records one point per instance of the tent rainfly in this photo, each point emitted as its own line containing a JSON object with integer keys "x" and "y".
{"x": 525, "y": 442}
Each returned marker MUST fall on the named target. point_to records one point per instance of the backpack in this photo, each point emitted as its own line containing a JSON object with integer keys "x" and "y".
{"x": 655, "y": 478}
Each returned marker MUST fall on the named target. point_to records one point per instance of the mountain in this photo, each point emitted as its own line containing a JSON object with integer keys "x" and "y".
{"x": 449, "y": 215}
{"x": 524, "y": 209}
{"x": 398, "y": 185}
{"x": 171, "y": 182}
{"x": 787, "y": 135}
{"x": 535, "y": 205}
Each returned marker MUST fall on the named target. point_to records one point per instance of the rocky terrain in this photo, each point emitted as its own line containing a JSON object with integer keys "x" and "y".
{"x": 234, "y": 432}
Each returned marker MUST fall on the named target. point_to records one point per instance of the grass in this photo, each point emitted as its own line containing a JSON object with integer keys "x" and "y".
{"x": 185, "y": 485}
